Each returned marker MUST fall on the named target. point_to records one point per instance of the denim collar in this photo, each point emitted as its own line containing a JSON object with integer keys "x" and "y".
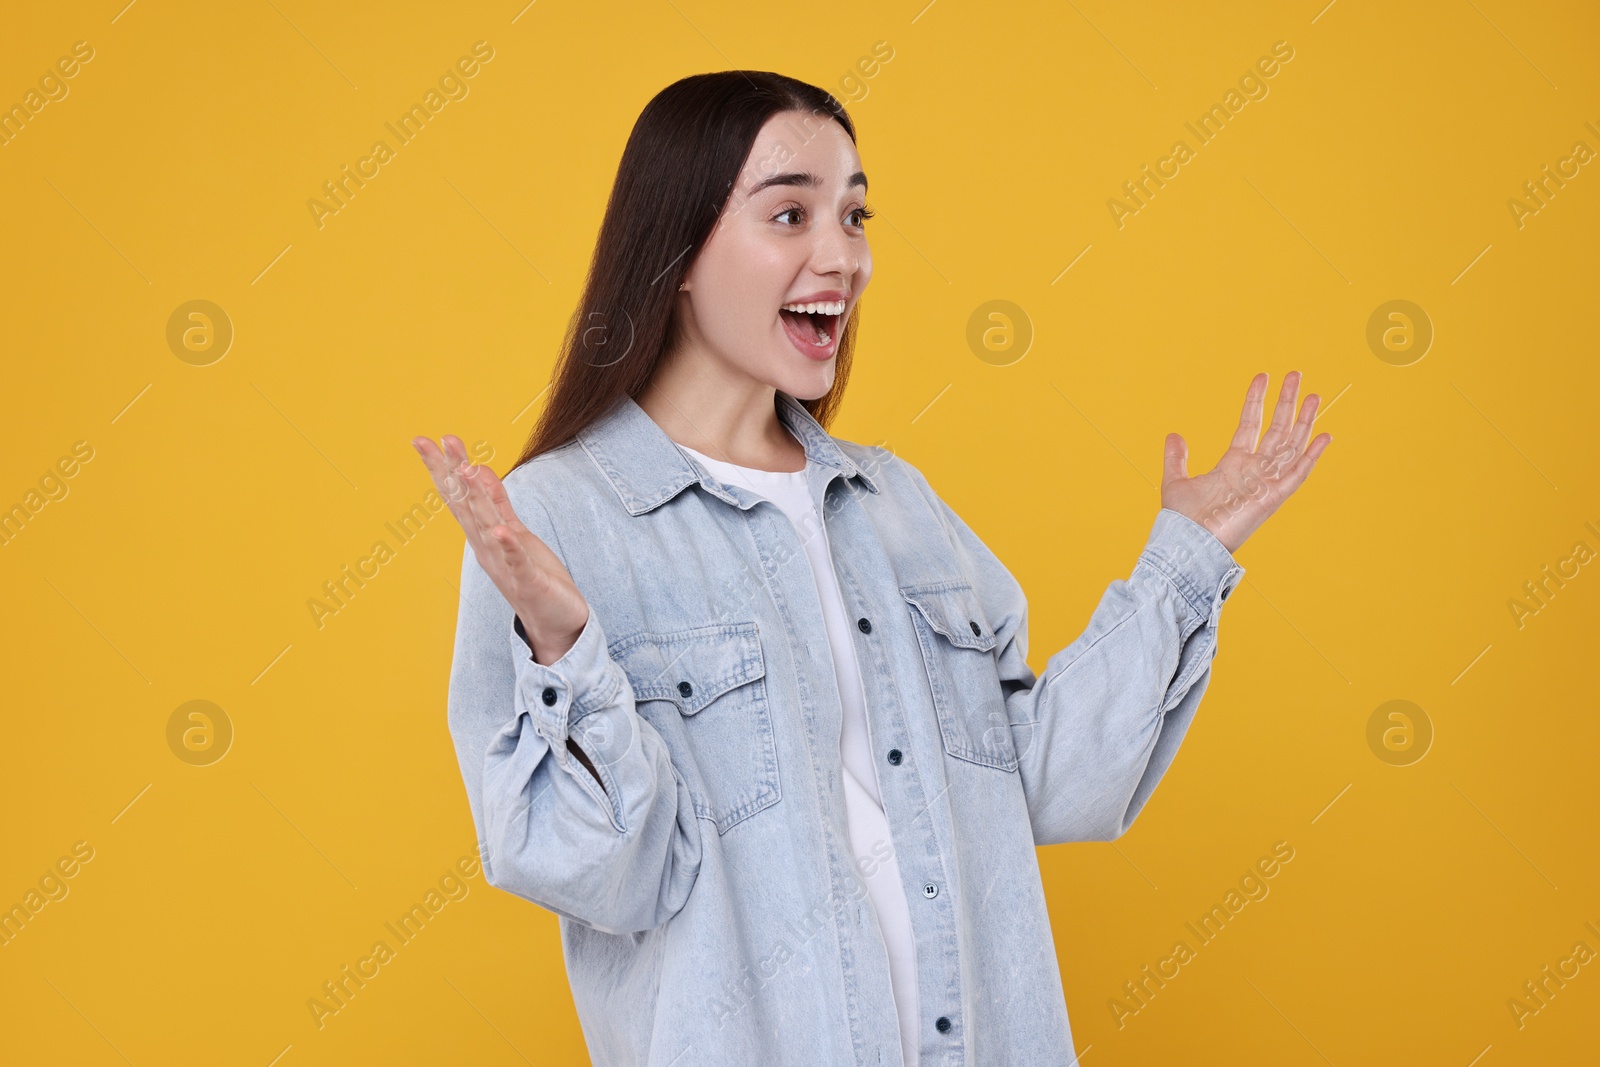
{"x": 647, "y": 468}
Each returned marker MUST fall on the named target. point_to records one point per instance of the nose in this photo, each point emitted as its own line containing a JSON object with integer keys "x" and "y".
{"x": 837, "y": 252}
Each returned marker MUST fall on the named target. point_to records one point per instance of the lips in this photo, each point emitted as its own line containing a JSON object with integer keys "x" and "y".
{"x": 804, "y": 331}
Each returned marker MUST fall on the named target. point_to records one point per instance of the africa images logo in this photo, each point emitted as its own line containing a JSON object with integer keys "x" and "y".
{"x": 1252, "y": 86}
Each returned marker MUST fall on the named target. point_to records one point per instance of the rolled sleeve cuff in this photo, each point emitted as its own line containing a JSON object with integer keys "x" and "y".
{"x": 1191, "y": 557}
{"x": 557, "y": 696}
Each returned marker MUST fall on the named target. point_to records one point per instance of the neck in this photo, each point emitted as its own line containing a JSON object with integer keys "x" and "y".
{"x": 738, "y": 424}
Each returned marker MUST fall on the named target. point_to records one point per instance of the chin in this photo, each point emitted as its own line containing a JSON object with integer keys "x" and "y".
{"x": 808, "y": 383}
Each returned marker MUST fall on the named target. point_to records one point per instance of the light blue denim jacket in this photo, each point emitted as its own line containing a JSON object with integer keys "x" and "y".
{"x": 711, "y": 912}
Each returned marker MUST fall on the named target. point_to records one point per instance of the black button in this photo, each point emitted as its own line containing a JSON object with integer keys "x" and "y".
{"x": 685, "y": 690}
{"x": 894, "y": 756}
{"x": 942, "y": 1024}
{"x": 864, "y": 626}
{"x": 976, "y": 632}
{"x": 548, "y": 696}
{"x": 1225, "y": 593}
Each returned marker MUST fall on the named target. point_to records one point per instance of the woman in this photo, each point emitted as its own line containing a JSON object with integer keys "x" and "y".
{"x": 747, "y": 705}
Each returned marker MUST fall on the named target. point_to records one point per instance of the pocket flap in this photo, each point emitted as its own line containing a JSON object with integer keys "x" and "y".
{"x": 951, "y": 608}
{"x": 692, "y": 667}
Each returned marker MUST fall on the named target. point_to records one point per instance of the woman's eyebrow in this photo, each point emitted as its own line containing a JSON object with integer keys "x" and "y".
{"x": 807, "y": 180}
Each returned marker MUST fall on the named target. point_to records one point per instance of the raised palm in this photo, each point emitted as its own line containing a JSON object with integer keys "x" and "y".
{"x": 527, "y": 572}
{"x": 1251, "y": 480}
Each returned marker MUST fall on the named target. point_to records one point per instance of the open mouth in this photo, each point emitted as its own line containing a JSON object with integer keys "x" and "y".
{"x": 813, "y": 327}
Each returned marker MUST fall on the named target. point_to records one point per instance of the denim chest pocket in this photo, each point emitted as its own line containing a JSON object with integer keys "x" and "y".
{"x": 958, "y": 651}
{"x": 704, "y": 690}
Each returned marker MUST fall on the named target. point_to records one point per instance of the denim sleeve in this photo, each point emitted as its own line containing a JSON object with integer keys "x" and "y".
{"x": 1097, "y": 731}
{"x": 619, "y": 855}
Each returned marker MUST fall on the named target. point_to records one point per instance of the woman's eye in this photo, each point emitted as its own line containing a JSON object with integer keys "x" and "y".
{"x": 856, "y": 218}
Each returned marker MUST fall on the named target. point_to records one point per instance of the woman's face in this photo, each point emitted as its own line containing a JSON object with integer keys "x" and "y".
{"x": 792, "y": 233}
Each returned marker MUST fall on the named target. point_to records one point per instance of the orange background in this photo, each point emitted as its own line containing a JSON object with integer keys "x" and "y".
{"x": 177, "y": 563}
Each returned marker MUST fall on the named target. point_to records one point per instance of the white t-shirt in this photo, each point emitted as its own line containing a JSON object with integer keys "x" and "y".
{"x": 869, "y": 829}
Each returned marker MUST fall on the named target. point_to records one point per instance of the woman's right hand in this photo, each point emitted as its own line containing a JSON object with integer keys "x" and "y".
{"x": 528, "y": 574}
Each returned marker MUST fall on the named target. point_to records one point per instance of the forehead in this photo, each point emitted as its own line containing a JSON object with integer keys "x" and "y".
{"x": 793, "y": 141}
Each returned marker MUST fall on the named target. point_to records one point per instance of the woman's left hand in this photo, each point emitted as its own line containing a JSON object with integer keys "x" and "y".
{"x": 1250, "y": 481}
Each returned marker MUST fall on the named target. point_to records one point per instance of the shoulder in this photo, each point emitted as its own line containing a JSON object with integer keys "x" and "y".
{"x": 897, "y": 479}
{"x": 539, "y": 487}
{"x": 931, "y": 543}
{"x": 552, "y": 470}
{"x": 903, "y": 488}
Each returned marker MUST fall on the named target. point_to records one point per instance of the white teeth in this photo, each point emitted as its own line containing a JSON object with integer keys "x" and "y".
{"x": 828, "y": 307}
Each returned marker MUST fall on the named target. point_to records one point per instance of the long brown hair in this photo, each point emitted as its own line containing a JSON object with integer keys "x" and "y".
{"x": 677, "y": 172}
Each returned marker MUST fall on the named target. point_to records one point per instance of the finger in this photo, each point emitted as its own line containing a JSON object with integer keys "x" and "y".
{"x": 462, "y": 488}
{"x": 1301, "y": 469}
{"x": 454, "y": 448}
{"x": 1277, "y": 458}
{"x": 1283, "y": 412}
{"x": 1175, "y": 465}
{"x": 456, "y": 453}
{"x": 500, "y": 501}
{"x": 451, "y": 486}
{"x": 515, "y": 559}
{"x": 526, "y": 572}
{"x": 433, "y": 458}
{"x": 444, "y": 477}
{"x": 477, "y": 502}
{"x": 1250, "y": 420}
{"x": 443, "y": 467}
{"x": 1304, "y": 422}
{"x": 494, "y": 494}
{"x": 540, "y": 555}
{"x": 491, "y": 507}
